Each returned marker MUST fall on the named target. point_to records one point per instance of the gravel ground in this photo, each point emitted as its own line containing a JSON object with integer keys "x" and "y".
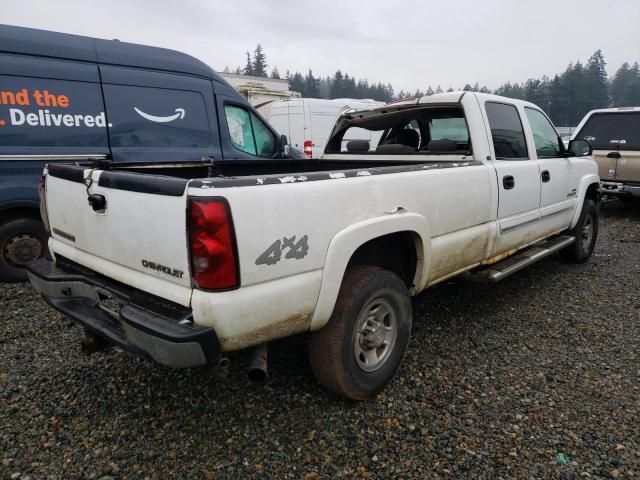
{"x": 536, "y": 377}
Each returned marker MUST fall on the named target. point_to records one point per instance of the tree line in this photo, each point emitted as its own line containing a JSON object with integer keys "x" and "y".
{"x": 566, "y": 97}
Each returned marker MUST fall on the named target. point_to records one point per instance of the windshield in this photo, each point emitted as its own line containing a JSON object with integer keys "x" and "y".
{"x": 613, "y": 131}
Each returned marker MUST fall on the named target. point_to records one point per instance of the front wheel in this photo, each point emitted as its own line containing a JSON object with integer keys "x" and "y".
{"x": 585, "y": 233}
{"x": 359, "y": 350}
{"x": 21, "y": 240}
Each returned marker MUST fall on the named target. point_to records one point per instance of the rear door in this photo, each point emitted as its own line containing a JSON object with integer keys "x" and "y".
{"x": 517, "y": 173}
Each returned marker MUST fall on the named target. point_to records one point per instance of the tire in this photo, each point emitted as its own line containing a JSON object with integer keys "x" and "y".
{"x": 21, "y": 240}
{"x": 349, "y": 362}
{"x": 585, "y": 232}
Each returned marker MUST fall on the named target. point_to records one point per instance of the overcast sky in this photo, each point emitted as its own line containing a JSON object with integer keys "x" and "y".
{"x": 410, "y": 44}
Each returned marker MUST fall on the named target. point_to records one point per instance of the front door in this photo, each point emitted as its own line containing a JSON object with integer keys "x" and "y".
{"x": 557, "y": 199}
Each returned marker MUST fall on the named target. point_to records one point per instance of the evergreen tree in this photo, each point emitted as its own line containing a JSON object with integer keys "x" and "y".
{"x": 429, "y": 91}
{"x": 596, "y": 82}
{"x": 439, "y": 89}
{"x": 337, "y": 85}
{"x": 248, "y": 68}
{"x": 311, "y": 86}
{"x": 275, "y": 74}
{"x": 259, "y": 62}
{"x": 296, "y": 83}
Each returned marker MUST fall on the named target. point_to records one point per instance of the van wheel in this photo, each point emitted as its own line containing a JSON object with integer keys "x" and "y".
{"x": 585, "y": 233}
{"x": 21, "y": 240}
{"x": 359, "y": 350}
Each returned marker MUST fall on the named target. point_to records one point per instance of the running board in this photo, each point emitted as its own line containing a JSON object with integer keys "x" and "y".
{"x": 509, "y": 266}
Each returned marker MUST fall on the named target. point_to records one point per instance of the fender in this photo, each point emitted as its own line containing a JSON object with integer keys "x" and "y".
{"x": 346, "y": 242}
{"x": 585, "y": 182}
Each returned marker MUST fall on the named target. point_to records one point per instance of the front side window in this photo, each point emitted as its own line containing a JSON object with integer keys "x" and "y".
{"x": 248, "y": 133}
{"x": 545, "y": 136}
{"x": 264, "y": 139}
{"x": 507, "y": 132}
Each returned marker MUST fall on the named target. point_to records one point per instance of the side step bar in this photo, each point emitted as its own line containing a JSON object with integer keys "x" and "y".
{"x": 515, "y": 263}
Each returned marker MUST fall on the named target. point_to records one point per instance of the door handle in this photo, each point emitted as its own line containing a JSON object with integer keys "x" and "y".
{"x": 613, "y": 155}
{"x": 545, "y": 175}
{"x": 508, "y": 182}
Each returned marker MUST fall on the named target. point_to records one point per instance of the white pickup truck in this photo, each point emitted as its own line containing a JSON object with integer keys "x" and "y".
{"x": 183, "y": 265}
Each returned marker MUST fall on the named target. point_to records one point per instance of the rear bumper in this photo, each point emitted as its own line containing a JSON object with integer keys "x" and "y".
{"x": 139, "y": 323}
{"x": 620, "y": 188}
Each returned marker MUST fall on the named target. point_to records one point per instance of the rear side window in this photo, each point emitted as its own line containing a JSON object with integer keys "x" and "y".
{"x": 156, "y": 117}
{"x": 39, "y": 112}
{"x": 612, "y": 130}
{"x": 248, "y": 133}
{"x": 507, "y": 132}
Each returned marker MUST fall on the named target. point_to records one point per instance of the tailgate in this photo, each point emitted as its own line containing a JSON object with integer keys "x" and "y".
{"x": 138, "y": 238}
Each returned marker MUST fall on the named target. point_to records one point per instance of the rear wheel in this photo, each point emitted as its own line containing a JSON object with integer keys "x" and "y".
{"x": 362, "y": 345}
{"x": 21, "y": 240}
{"x": 585, "y": 233}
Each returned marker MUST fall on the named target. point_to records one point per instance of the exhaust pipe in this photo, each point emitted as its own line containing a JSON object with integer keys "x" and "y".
{"x": 92, "y": 343}
{"x": 258, "y": 365}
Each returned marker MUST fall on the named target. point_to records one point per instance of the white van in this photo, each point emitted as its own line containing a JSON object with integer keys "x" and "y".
{"x": 307, "y": 122}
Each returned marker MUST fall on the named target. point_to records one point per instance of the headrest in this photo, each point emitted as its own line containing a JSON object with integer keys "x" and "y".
{"x": 409, "y": 137}
{"x": 394, "y": 149}
{"x": 358, "y": 146}
{"x": 444, "y": 145}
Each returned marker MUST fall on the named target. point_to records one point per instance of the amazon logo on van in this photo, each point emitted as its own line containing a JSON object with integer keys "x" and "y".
{"x": 180, "y": 113}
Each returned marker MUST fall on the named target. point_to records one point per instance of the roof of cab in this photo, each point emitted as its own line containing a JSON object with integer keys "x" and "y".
{"x": 29, "y": 41}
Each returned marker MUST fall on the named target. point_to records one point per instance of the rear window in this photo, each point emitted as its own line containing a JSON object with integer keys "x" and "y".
{"x": 428, "y": 130}
{"x": 612, "y": 130}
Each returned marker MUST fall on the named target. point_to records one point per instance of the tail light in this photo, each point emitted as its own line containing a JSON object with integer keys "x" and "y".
{"x": 42, "y": 194}
{"x": 308, "y": 150}
{"x": 214, "y": 259}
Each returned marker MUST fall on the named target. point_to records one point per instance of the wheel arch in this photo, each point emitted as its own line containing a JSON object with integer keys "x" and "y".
{"x": 589, "y": 189}
{"x": 367, "y": 240}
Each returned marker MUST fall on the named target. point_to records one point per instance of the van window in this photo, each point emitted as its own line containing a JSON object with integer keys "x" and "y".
{"x": 156, "y": 117}
{"x": 39, "y": 112}
{"x": 507, "y": 132}
{"x": 248, "y": 133}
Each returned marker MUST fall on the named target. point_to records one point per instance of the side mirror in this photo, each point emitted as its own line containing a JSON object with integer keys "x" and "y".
{"x": 579, "y": 147}
{"x": 284, "y": 146}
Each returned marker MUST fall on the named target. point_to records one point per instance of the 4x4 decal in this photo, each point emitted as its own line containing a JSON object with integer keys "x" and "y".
{"x": 273, "y": 254}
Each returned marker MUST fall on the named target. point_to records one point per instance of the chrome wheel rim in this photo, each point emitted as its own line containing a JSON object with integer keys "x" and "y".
{"x": 22, "y": 248}
{"x": 587, "y": 232}
{"x": 376, "y": 334}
